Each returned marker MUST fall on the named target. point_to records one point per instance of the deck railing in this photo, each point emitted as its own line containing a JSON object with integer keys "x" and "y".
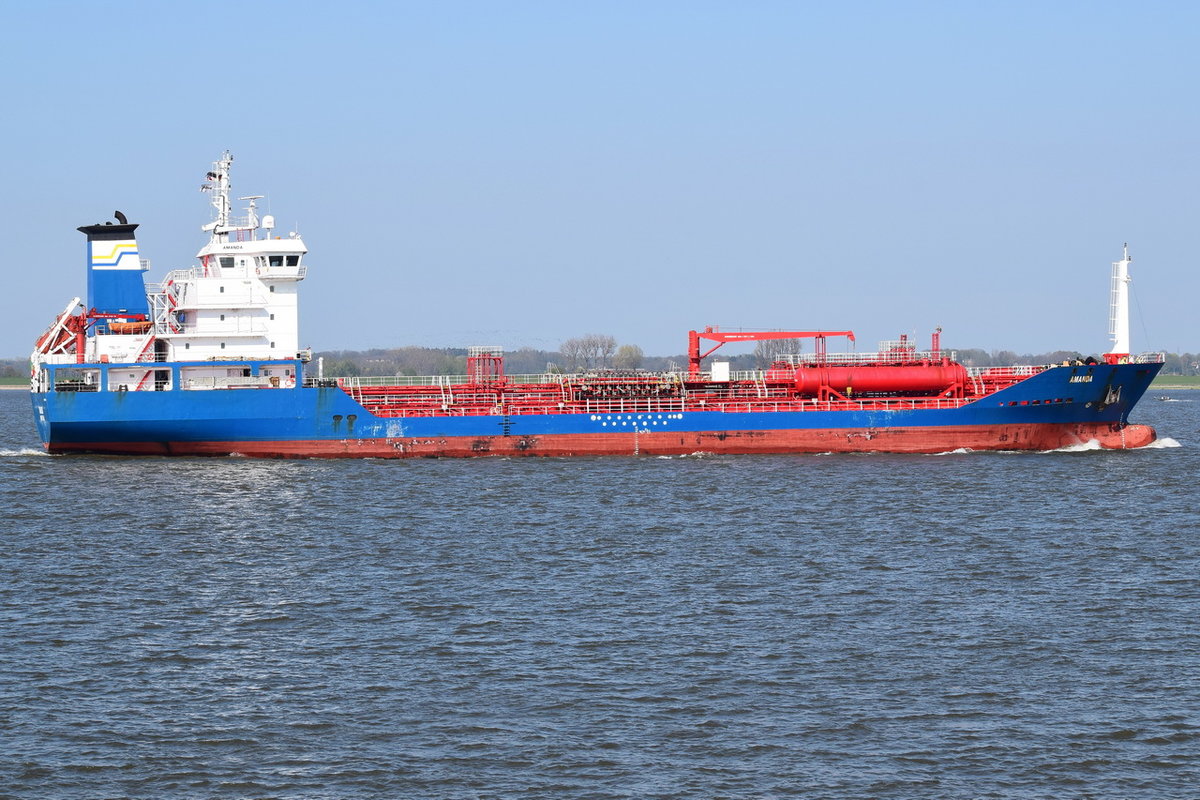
{"x": 656, "y": 406}
{"x": 442, "y": 380}
{"x": 884, "y": 357}
{"x": 229, "y": 382}
{"x": 295, "y": 272}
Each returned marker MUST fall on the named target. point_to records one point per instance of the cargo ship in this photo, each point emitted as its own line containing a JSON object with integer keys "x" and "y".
{"x": 207, "y": 362}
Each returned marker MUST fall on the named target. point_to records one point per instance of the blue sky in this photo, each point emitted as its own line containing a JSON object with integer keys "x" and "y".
{"x": 520, "y": 173}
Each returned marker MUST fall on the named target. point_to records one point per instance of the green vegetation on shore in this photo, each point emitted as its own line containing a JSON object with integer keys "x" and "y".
{"x": 1176, "y": 382}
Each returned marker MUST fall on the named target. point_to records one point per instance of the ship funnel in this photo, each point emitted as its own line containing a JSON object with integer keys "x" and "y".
{"x": 115, "y": 284}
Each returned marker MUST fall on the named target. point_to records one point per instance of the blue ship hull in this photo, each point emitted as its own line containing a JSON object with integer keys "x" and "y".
{"x": 1053, "y": 408}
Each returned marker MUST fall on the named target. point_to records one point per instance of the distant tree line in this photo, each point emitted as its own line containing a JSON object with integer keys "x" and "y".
{"x": 596, "y": 351}
{"x": 14, "y": 368}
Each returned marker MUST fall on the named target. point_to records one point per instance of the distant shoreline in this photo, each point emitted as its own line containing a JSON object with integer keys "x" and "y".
{"x": 1158, "y": 384}
{"x": 1155, "y": 386}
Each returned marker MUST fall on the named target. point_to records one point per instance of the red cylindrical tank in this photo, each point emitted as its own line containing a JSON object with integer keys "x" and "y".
{"x": 881, "y": 379}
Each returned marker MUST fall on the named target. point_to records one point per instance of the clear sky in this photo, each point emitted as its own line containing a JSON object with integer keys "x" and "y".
{"x": 518, "y": 173}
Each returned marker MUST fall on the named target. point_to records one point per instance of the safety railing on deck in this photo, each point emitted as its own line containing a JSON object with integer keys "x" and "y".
{"x": 235, "y": 328}
{"x": 443, "y": 380}
{"x": 666, "y": 406}
{"x": 843, "y": 359}
{"x": 75, "y": 386}
{"x": 296, "y": 273}
{"x": 1019, "y": 371}
{"x": 230, "y": 382}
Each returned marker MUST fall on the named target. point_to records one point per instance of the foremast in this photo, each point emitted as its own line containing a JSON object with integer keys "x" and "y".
{"x": 1118, "y": 309}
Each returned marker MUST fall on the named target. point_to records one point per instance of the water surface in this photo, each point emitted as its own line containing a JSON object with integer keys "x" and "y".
{"x": 956, "y": 626}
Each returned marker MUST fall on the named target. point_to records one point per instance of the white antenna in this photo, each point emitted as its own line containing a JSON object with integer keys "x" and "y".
{"x": 218, "y": 184}
{"x": 251, "y": 211}
{"x": 1118, "y": 309}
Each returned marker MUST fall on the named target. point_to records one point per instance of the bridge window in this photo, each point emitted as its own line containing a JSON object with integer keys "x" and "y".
{"x": 293, "y": 261}
{"x": 276, "y": 261}
{"x": 226, "y": 262}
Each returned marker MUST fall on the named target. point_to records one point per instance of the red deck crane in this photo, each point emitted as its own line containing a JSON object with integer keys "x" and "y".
{"x": 721, "y": 337}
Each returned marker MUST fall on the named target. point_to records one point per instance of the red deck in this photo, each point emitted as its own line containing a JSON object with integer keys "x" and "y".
{"x": 865, "y": 386}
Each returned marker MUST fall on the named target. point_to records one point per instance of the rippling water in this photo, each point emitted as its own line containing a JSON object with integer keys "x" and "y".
{"x": 956, "y": 626}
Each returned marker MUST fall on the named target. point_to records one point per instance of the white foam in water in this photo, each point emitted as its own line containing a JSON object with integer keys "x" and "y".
{"x": 1082, "y": 447}
{"x": 24, "y": 451}
{"x": 956, "y": 452}
{"x": 1159, "y": 444}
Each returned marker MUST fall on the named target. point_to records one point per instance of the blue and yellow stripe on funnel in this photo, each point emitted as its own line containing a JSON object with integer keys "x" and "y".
{"x": 112, "y": 258}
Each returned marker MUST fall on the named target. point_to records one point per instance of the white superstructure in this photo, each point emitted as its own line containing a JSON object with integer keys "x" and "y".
{"x": 238, "y": 304}
{"x": 240, "y": 301}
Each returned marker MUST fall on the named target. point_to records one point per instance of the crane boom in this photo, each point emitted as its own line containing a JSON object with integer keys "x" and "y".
{"x": 721, "y": 337}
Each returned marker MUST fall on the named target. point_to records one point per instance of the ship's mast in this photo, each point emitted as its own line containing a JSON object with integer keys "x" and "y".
{"x": 217, "y": 182}
{"x": 1118, "y": 312}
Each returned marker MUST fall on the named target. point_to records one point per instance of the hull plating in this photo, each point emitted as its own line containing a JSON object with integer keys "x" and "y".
{"x": 838, "y": 440}
{"x": 1045, "y": 412}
